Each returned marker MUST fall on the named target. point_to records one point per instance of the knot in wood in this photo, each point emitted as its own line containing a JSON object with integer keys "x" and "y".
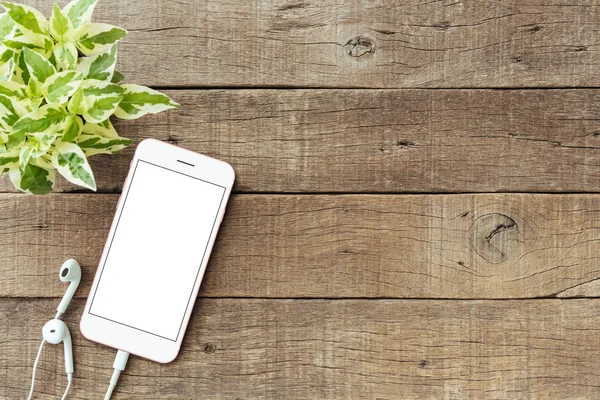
{"x": 360, "y": 46}
{"x": 494, "y": 235}
{"x": 209, "y": 348}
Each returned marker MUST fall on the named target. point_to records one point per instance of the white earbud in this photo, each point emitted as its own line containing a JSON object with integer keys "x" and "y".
{"x": 69, "y": 272}
{"x": 56, "y": 331}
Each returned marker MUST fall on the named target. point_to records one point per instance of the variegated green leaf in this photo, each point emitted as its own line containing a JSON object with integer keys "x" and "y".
{"x": 21, "y": 74}
{"x": 8, "y": 68}
{"x": 70, "y": 161}
{"x": 25, "y": 156}
{"x": 100, "y": 66}
{"x": 96, "y": 38}
{"x": 35, "y": 88}
{"x": 40, "y": 43}
{"x": 10, "y": 111}
{"x": 47, "y": 119}
{"x": 44, "y": 161}
{"x": 61, "y": 27}
{"x": 80, "y": 11}
{"x": 72, "y": 129}
{"x": 60, "y": 86}
{"x": 34, "y": 104}
{"x": 13, "y": 89}
{"x": 28, "y": 19}
{"x": 9, "y": 159}
{"x": 77, "y": 104}
{"x": 40, "y": 143}
{"x": 32, "y": 179}
{"x": 93, "y": 142}
{"x": 6, "y": 53}
{"x": 14, "y": 140}
{"x": 117, "y": 77}
{"x": 100, "y": 100}
{"x": 140, "y": 100}
{"x": 104, "y": 128}
{"x": 8, "y": 27}
{"x": 65, "y": 55}
{"x": 39, "y": 67}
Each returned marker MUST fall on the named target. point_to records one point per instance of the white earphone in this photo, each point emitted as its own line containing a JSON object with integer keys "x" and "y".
{"x": 55, "y": 330}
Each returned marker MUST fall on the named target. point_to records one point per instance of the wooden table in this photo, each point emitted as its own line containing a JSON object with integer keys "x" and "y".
{"x": 415, "y": 213}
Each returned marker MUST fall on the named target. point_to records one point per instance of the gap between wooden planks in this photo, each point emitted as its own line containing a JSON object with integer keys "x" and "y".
{"x": 372, "y": 141}
{"x": 324, "y": 246}
{"x": 331, "y": 349}
{"x": 352, "y": 43}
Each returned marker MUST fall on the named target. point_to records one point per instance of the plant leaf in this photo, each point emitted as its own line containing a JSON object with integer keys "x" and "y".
{"x": 21, "y": 73}
{"x": 10, "y": 110}
{"x": 117, "y": 77}
{"x": 96, "y": 139}
{"x": 96, "y": 38}
{"x": 27, "y": 18}
{"x": 9, "y": 159}
{"x": 47, "y": 119}
{"x": 70, "y": 161}
{"x": 73, "y": 128}
{"x": 100, "y": 66}
{"x": 34, "y": 104}
{"x": 100, "y": 100}
{"x": 7, "y": 27}
{"x": 44, "y": 161}
{"x": 140, "y": 100}
{"x": 15, "y": 140}
{"x": 61, "y": 27}
{"x": 77, "y": 103}
{"x": 80, "y": 11}
{"x": 8, "y": 68}
{"x": 60, "y": 86}
{"x": 24, "y": 156}
{"x": 65, "y": 55}
{"x": 40, "y": 43}
{"x": 40, "y": 143}
{"x": 13, "y": 89}
{"x": 32, "y": 179}
{"x": 39, "y": 67}
{"x": 104, "y": 129}
{"x": 6, "y": 53}
{"x": 108, "y": 130}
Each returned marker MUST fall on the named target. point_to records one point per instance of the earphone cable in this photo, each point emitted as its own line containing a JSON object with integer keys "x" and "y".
{"x": 119, "y": 366}
{"x": 70, "y": 377}
{"x": 37, "y": 358}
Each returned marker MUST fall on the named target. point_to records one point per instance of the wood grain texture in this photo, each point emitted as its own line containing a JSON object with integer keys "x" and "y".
{"x": 320, "y": 349}
{"x": 351, "y": 43}
{"x": 381, "y": 140}
{"x": 438, "y": 246}
{"x": 324, "y": 294}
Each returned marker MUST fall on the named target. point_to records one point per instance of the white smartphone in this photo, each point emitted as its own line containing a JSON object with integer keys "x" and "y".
{"x": 165, "y": 225}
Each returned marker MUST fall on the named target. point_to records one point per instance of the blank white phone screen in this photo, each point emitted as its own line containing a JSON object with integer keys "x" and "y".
{"x": 157, "y": 250}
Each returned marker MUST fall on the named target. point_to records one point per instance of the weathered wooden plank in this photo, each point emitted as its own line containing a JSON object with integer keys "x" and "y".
{"x": 351, "y": 43}
{"x": 382, "y": 141}
{"x": 415, "y": 246}
{"x": 323, "y": 349}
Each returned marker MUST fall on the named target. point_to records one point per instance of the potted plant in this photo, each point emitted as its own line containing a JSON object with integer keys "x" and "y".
{"x": 58, "y": 88}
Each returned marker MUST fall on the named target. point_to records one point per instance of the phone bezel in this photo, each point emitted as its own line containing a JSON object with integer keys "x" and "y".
{"x": 129, "y": 339}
